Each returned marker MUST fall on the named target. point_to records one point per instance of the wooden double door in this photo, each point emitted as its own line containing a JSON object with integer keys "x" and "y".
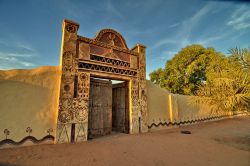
{"x": 108, "y": 108}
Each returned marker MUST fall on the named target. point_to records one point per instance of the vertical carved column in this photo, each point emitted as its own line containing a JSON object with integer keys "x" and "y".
{"x": 142, "y": 89}
{"x": 81, "y": 107}
{"x": 134, "y": 106}
{"x": 68, "y": 66}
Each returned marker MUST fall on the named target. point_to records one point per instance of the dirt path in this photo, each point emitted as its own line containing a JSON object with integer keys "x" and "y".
{"x": 225, "y": 142}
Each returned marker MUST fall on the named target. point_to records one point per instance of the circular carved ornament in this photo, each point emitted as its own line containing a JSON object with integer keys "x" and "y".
{"x": 83, "y": 76}
{"x": 70, "y": 28}
{"x": 64, "y": 117}
{"x": 66, "y": 88}
{"x": 81, "y": 114}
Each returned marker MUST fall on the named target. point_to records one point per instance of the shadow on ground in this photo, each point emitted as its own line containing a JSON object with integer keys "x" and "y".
{"x": 242, "y": 143}
{"x": 5, "y": 164}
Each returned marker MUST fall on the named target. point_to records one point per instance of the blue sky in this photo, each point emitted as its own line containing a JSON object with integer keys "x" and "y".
{"x": 30, "y": 31}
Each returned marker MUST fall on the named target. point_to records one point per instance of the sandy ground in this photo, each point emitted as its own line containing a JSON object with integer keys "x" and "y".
{"x": 218, "y": 143}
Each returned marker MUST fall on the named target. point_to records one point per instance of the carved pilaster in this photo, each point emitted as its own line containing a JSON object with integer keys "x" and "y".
{"x": 134, "y": 119}
{"x": 68, "y": 64}
{"x": 142, "y": 94}
{"x": 82, "y": 107}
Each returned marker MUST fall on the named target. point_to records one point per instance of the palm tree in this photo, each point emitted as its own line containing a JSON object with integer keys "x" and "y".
{"x": 241, "y": 56}
{"x": 227, "y": 87}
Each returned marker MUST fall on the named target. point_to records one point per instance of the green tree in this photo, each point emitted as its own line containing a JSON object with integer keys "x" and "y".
{"x": 186, "y": 71}
{"x": 157, "y": 76}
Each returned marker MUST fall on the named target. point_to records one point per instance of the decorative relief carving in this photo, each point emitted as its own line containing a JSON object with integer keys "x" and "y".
{"x": 112, "y": 38}
{"x": 110, "y": 61}
{"x": 29, "y": 138}
{"x": 67, "y": 86}
{"x": 6, "y": 133}
{"x": 105, "y": 45}
{"x": 135, "y": 92}
{"x": 135, "y": 105}
{"x": 29, "y": 130}
{"x": 81, "y": 132}
{"x": 111, "y": 54}
{"x": 142, "y": 87}
{"x": 83, "y": 86}
{"x": 121, "y": 55}
{"x": 102, "y": 68}
{"x": 63, "y": 130}
{"x": 82, "y": 114}
{"x": 68, "y": 77}
{"x": 68, "y": 61}
{"x": 80, "y": 110}
{"x": 84, "y": 51}
{"x": 64, "y": 116}
{"x": 135, "y": 124}
{"x": 67, "y": 91}
{"x": 143, "y": 109}
{"x": 108, "y": 52}
{"x": 71, "y": 28}
{"x": 97, "y": 50}
{"x": 75, "y": 111}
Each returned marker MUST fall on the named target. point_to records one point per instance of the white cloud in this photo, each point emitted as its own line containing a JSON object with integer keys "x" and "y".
{"x": 16, "y": 55}
{"x": 208, "y": 40}
{"x": 25, "y": 46}
{"x": 167, "y": 54}
{"x": 182, "y": 37}
{"x": 163, "y": 42}
{"x": 240, "y": 18}
{"x": 13, "y": 63}
{"x": 174, "y": 25}
{"x": 112, "y": 10}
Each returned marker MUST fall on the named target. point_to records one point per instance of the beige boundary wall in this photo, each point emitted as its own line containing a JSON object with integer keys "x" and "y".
{"x": 29, "y": 101}
{"x": 169, "y": 110}
{"x": 28, "y": 106}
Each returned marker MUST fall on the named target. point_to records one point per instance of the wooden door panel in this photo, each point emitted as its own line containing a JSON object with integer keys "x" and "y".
{"x": 100, "y": 120}
{"x": 120, "y": 107}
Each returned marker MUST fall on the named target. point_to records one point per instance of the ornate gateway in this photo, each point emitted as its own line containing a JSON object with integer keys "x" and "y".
{"x": 106, "y": 56}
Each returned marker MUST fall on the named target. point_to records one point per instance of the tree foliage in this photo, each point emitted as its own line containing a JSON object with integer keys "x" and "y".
{"x": 227, "y": 87}
{"x": 156, "y": 76}
{"x": 241, "y": 57}
{"x": 186, "y": 71}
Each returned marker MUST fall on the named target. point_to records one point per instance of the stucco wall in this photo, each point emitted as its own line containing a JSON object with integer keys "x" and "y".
{"x": 187, "y": 110}
{"x": 166, "y": 109}
{"x": 158, "y": 103}
{"x": 29, "y": 98}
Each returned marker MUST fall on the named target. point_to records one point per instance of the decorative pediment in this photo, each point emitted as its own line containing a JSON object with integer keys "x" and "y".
{"x": 112, "y": 38}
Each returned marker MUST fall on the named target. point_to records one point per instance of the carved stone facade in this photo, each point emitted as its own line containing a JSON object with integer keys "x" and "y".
{"x": 105, "y": 56}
